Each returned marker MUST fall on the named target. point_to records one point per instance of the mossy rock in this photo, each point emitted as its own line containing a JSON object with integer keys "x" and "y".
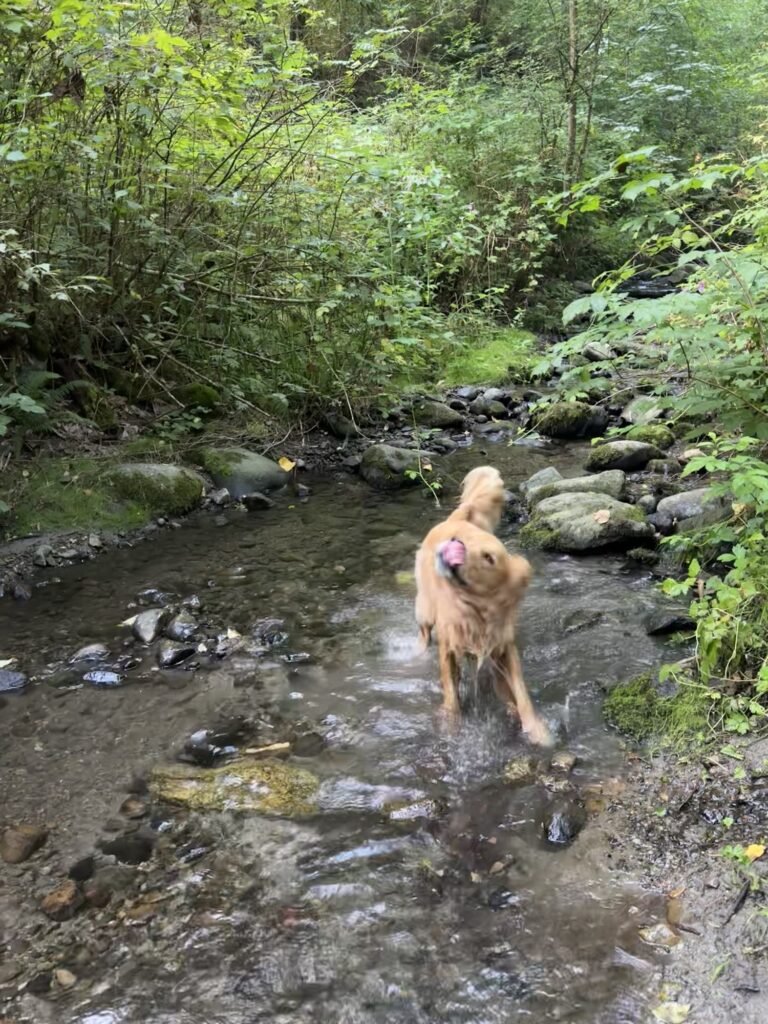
{"x": 652, "y": 433}
{"x": 612, "y": 482}
{"x": 583, "y": 522}
{"x": 160, "y": 487}
{"x": 437, "y": 415}
{"x": 388, "y": 468}
{"x": 570, "y": 419}
{"x": 627, "y": 455}
{"x": 197, "y": 395}
{"x": 263, "y": 787}
{"x": 637, "y": 709}
{"x": 643, "y": 556}
{"x": 242, "y": 471}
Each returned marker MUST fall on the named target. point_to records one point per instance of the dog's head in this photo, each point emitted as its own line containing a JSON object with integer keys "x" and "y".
{"x": 478, "y": 563}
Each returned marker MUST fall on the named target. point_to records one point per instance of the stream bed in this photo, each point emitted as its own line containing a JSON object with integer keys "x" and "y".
{"x": 463, "y": 912}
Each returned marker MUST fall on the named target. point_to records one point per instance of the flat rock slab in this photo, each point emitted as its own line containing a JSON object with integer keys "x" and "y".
{"x": 582, "y": 522}
{"x": 266, "y": 787}
{"x": 611, "y": 482}
{"x": 622, "y": 455}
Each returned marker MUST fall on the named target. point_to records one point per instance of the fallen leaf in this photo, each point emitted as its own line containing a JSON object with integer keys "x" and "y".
{"x": 692, "y": 453}
{"x": 475, "y": 877}
{"x": 426, "y": 466}
{"x": 602, "y": 515}
{"x": 404, "y": 578}
{"x": 285, "y": 463}
{"x": 129, "y": 622}
{"x": 497, "y": 867}
{"x": 672, "y": 1013}
{"x": 738, "y": 507}
{"x": 674, "y": 893}
{"x": 754, "y": 851}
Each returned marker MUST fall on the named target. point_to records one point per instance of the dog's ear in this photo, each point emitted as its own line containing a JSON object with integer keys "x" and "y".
{"x": 520, "y": 573}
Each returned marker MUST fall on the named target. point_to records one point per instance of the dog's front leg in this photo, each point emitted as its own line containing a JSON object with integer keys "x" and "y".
{"x": 531, "y": 721}
{"x": 449, "y": 678}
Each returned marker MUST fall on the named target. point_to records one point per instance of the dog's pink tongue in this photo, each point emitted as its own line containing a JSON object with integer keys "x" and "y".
{"x": 453, "y": 553}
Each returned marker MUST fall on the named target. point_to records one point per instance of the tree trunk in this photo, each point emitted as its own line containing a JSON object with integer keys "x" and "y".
{"x": 571, "y": 90}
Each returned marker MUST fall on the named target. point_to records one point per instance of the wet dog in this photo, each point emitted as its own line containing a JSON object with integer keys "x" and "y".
{"x": 468, "y": 591}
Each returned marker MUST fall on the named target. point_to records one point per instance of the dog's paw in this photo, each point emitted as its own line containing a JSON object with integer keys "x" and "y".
{"x": 539, "y": 734}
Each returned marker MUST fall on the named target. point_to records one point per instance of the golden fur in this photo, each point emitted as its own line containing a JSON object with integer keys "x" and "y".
{"x": 471, "y": 605}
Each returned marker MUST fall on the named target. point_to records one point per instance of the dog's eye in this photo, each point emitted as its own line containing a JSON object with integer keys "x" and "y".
{"x": 489, "y": 558}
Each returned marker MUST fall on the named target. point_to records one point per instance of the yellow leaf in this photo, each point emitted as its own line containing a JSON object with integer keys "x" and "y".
{"x": 602, "y": 515}
{"x": 285, "y": 463}
{"x": 404, "y": 578}
{"x": 738, "y": 507}
{"x": 754, "y": 851}
{"x": 426, "y": 466}
{"x": 672, "y": 1013}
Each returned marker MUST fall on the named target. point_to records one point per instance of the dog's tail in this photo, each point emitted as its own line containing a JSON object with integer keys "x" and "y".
{"x": 482, "y": 497}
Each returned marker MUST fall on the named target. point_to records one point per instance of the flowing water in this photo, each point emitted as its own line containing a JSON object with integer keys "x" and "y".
{"x": 347, "y": 915}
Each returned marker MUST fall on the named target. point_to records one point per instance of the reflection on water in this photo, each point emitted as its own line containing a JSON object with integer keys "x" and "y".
{"x": 463, "y": 913}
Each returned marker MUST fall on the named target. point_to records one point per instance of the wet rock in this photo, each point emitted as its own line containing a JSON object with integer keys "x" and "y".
{"x": 611, "y": 482}
{"x": 38, "y": 985}
{"x": 160, "y": 487}
{"x": 257, "y": 502}
{"x": 82, "y": 869}
{"x": 584, "y": 522}
{"x": 563, "y": 761}
{"x": 643, "y": 556}
{"x": 133, "y": 808}
{"x": 669, "y": 620}
{"x": 664, "y": 467}
{"x": 266, "y": 787}
{"x": 563, "y": 822}
{"x": 543, "y": 477}
{"x": 19, "y": 842}
{"x": 483, "y": 406}
{"x": 418, "y": 811}
{"x": 643, "y": 410}
{"x": 693, "y": 509}
{"x": 386, "y": 468}
{"x": 436, "y": 414}
{"x": 10, "y": 680}
{"x": 243, "y": 472}
{"x": 92, "y": 652}
{"x": 502, "y": 395}
{"x": 647, "y": 502}
{"x": 663, "y": 524}
{"x": 622, "y": 455}
{"x": 44, "y": 556}
{"x": 220, "y": 497}
{"x": 340, "y": 426}
{"x": 352, "y": 463}
{"x": 469, "y": 394}
{"x": 654, "y": 433}
{"x": 64, "y": 979}
{"x": 62, "y": 903}
{"x": 96, "y": 894}
{"x": 307, "y": 741}
{"x": 570, "y": 419}
{"x": 21, "y": 591}
{"x": 520, "y": 769}
{"x": 756, "y": 758}
{"x": 9, "y": 970}
{"x": 182, "y": 627}
{"x": 148, "y": 625}
{"x": 103, "y": 678}
{"x": 597, "y": 352}
{"x": 270, "y": 632}
{"x": 170, "y": 653}
{"x": 659, "y": 935}
{"x": 130, "y": 848}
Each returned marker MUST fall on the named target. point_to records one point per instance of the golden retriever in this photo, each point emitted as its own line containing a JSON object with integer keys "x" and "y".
{"x": 468, "y": 591}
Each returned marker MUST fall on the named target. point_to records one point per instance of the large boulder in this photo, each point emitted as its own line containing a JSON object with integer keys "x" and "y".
{"x": 158, "y": 486}
{"x": 622, "y": 455}
{"x": 387, "y": 468}
{"x": 266, "y": 787}
{"x": 428, "y": 413}
{"x": 690, "y": 510}
{"x": 612, "y": 483}
{"x": 570, "y": 419}
{"x": 585, "y": 522}
{"x": 242, "y": 471}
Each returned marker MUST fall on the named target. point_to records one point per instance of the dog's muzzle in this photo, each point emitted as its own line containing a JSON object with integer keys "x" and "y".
{"x": 449, "y": 558}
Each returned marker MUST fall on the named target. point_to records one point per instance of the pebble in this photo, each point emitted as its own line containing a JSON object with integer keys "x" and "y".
{"x": 62, "y": 904}
{"x": 95, "y": 541}
{"x": 182, "y": 626}
{"x": 564, "y": 761}
{"x": 519, "y": 769}
{"x": 21, "y": 591}
{"x": 19, "y": 842}
{"x": 43, "y": 556}
{"x": 64, "y": 978}
{"x": 103, "y": 678}
{"x": 220, "y": 497}
{"x": 91, "y": 652}
{"x": 11, "y": 680}
{"x": 170, "y": 653}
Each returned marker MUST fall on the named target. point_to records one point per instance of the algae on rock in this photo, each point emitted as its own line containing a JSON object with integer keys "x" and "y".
{"x": 157, "y": 486}
{"x": 265, "y": 787}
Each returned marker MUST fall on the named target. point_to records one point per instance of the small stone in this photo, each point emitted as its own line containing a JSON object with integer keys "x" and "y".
{"x": 659, "y": 935}
{"x": 419, "y": 810}
{"x": 161, "y": 520}
{"x": 92, "y": 652}
{"x": 148, "y": 625}
{"x": 302, "y": 491}
{"x": 43, "y": 556}
{"x": 104, "y": 679}
{"x": 133, "y": 808}
{"x": 647, "y": 502}
{"x": 182, "y": 627}
{"x": 352, "y": 463}
{"x": 170, "y": 653}
{"x": 64, "y": 978}
{"x": 11, "y": 680}
{"x": 257, "y": 501}
{"x": 69, "y": 553}
{"x": 62, "y": 904}
{"x": 19, "y": 842}
{"x": 564, "y": 761}
{"x": 8, "y": 971}
{"x": 563, "y": 823}
{"x": 519, "y": 769}
{"x": 95, "y": 541}
{"x": 21, "y": 591}
{"x": 130, "y": 848}
{"x": 96, "y": 895}
{"x": 220, "y": 497}
{"x": 82, "y": 869}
